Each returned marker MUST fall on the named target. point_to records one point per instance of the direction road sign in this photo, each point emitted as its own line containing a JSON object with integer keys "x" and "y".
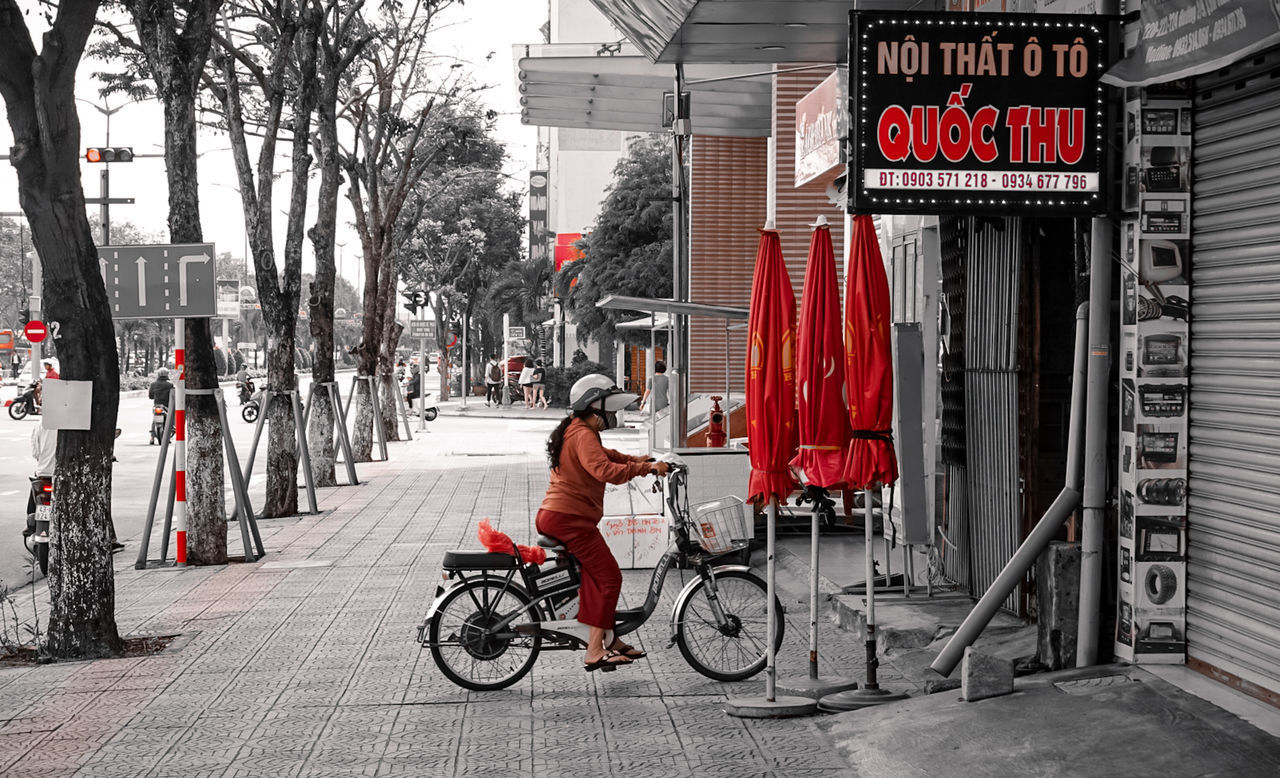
{"x": 422, "y": 328}
{"x": 35, "y": 331}
{"x": 162, "y": 282}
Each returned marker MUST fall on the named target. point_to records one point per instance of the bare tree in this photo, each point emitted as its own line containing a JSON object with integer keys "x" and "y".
{"x": 38, "y": 88}
{"x": 264, "y": 80}
{"x": 396, "y": 137}
{"x": 341, "y": 39}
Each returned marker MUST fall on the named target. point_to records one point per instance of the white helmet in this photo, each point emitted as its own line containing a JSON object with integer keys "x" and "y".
{"x": 599, "y": 391}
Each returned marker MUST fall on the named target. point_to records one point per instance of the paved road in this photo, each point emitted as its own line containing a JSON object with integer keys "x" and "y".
{"x": 304, "y": 663}
{"x": 133, "y": 476}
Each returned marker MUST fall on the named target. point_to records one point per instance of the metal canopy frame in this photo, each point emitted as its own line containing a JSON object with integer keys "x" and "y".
{"x": 614, "y": 87}
{"x": 675, "y": 312}
{"x": 744, "y": 31}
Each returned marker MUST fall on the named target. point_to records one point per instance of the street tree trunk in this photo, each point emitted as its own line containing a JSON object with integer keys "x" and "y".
{"x": 294, "y": 44}
{"x": 176, "y": 60}
{"x": 39, "y": 94}
{"x": 337, "y": 50}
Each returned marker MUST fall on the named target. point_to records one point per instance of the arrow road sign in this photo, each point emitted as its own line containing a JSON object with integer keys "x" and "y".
{"x": 163, "y": 282}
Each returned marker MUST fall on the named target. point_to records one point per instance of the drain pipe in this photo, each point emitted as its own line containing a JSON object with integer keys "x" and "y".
{"x": 1095, "y": 443}
{"x": 1045, "y": 530}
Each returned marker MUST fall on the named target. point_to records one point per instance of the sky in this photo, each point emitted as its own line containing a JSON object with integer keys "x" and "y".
{"x": 469, "y": 32}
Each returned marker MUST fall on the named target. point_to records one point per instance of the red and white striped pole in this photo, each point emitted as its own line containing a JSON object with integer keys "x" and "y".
{"x": 180, "y": 439}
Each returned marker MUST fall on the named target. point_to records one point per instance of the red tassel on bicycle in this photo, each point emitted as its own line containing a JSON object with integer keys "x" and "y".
{"x": 497, "y": 542}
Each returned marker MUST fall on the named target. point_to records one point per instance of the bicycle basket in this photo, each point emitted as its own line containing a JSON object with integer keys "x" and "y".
{"x": 718, "y": 523}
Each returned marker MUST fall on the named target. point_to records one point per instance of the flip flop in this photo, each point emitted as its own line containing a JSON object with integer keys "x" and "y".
{"x": 630, "y": 652}
{"x": 607, "y": 663}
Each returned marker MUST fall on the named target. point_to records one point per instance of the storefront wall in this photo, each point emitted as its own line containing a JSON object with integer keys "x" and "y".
{"x": 1233, "y": 535}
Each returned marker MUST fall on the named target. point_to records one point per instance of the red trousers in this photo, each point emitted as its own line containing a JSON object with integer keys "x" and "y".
{"x": 601, "y": 577}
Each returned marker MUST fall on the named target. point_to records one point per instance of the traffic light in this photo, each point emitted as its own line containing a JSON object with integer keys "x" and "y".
{"x": 414, "y": 300}
{"x": 109, "y": 154}
{"x": 24, "y": 315}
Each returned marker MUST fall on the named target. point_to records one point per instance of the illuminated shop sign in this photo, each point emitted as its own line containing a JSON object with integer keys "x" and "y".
{"x": 977, "y": 113}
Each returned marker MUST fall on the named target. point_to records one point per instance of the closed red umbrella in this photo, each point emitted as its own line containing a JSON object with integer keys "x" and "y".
{"x": 771, "y": 374}
{"x": 771, "y": 436}
{"x": 871, "y": 462}
{"x": 824, "y": 425}
{"x": 868, "y": 362}
{"x": 824, "y": 419}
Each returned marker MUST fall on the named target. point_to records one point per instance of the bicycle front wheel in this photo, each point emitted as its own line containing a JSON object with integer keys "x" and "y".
{"x": 466, "y": 647}
{"x": 735, "y": 649}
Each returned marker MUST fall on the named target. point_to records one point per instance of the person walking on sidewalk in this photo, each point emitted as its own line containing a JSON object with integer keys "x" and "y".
{"x": 526, "y": 382}
{"x": 656, "y": 388}
{"x": 493, "y": 382}
{"x": 539, "y": 385}
{"x": 574, "y": 505}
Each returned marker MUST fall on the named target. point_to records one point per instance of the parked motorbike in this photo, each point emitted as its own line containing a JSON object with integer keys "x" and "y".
{"x": 36, "y": 535}
{"x": 24, "y": 403}
{"x": 430, "y": 406}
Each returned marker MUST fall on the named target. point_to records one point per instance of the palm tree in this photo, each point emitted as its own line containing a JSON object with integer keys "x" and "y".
{"x": 522, "y": 293}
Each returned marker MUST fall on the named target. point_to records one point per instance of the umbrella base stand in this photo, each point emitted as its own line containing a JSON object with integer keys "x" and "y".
{"x": 779, "y": 707}
{"x": 857, "y": 699}
{"x": 814, "y": 688}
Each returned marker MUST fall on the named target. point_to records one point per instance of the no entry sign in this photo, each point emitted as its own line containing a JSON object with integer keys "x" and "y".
{"x": 35, "y": 331}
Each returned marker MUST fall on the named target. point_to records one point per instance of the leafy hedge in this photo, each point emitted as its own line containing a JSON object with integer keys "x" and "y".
{"x": 560, "y": 379}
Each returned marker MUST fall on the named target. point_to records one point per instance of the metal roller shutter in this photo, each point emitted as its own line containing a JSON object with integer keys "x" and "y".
{"x": 1233, "y": 540}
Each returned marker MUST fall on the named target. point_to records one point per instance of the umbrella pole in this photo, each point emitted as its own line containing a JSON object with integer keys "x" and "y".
{"x": 771, "y": 706}
{"x": 813, "y": 686}
{"x": 771, "y": 572}
{"x": 870, "y": 693}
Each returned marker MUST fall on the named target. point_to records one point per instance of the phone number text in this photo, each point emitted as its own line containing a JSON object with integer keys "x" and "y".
{"x": 980, "y": 180}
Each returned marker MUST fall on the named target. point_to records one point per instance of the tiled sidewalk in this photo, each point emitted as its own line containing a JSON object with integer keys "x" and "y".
{"x": 304, "y": 663}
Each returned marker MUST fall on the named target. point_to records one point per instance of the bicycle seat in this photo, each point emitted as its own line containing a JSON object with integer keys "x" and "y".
{"x": 478, "y": 560}
{"x": 551, "y": 544}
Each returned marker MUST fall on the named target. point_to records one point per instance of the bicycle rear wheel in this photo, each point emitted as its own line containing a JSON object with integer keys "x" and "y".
{"x": 465, "y": 647}
{"x": 737, "y": 649}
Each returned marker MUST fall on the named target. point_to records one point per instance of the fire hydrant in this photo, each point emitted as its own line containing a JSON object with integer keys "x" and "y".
{"x": 715, "y": 426}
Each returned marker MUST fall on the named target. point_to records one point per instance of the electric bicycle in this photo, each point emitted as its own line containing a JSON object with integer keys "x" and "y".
{"x": 494, "y": 614}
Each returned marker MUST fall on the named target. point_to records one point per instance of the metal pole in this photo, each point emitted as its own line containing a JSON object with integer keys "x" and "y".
{"x": 1094, "y": 502}
{"x": 770, "y": 668}
{"x": 33, "y": 304}
{"x": 105, "y": 181}
{"x": 464, "y": 383}
{"x": 813, "y": 593}
{"x": 1045, "y": 530}
{"x": 506, "y": 357}
{"x": 870, "y": 573}
{"x": 678, "y": 361}
{"x": 180, "y": 440}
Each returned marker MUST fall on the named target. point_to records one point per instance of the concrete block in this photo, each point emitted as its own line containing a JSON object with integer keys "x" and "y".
{"x": 1058, "y": 603}
{"x": 983, "y": 676}
{"x": 941, "y": 685}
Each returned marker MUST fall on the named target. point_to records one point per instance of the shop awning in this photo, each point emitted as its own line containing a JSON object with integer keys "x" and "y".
{"x": 613, "y": 87}
{"x": 742, "y": 31}
{"x": 670, "y": 307}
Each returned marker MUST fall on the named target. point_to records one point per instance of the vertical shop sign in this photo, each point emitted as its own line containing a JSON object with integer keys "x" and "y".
{"x": 981, "y": 113}
{"x": 1154, "y": 333}
{"x": 539, "y": 186}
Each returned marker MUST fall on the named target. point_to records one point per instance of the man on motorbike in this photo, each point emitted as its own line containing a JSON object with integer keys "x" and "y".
{"x": 161, "y": 389}
{"x": 245, "y": 384}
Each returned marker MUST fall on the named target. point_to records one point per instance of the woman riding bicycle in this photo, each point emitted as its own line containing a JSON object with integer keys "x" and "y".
{"x": 574, "y": 505}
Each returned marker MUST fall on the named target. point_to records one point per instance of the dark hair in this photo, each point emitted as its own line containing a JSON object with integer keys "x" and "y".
{"x": 659, "y": 366}
{"x": 539, "y": 363}
{"x": 556, "y": 442}
{"x": 528, "y": 361}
